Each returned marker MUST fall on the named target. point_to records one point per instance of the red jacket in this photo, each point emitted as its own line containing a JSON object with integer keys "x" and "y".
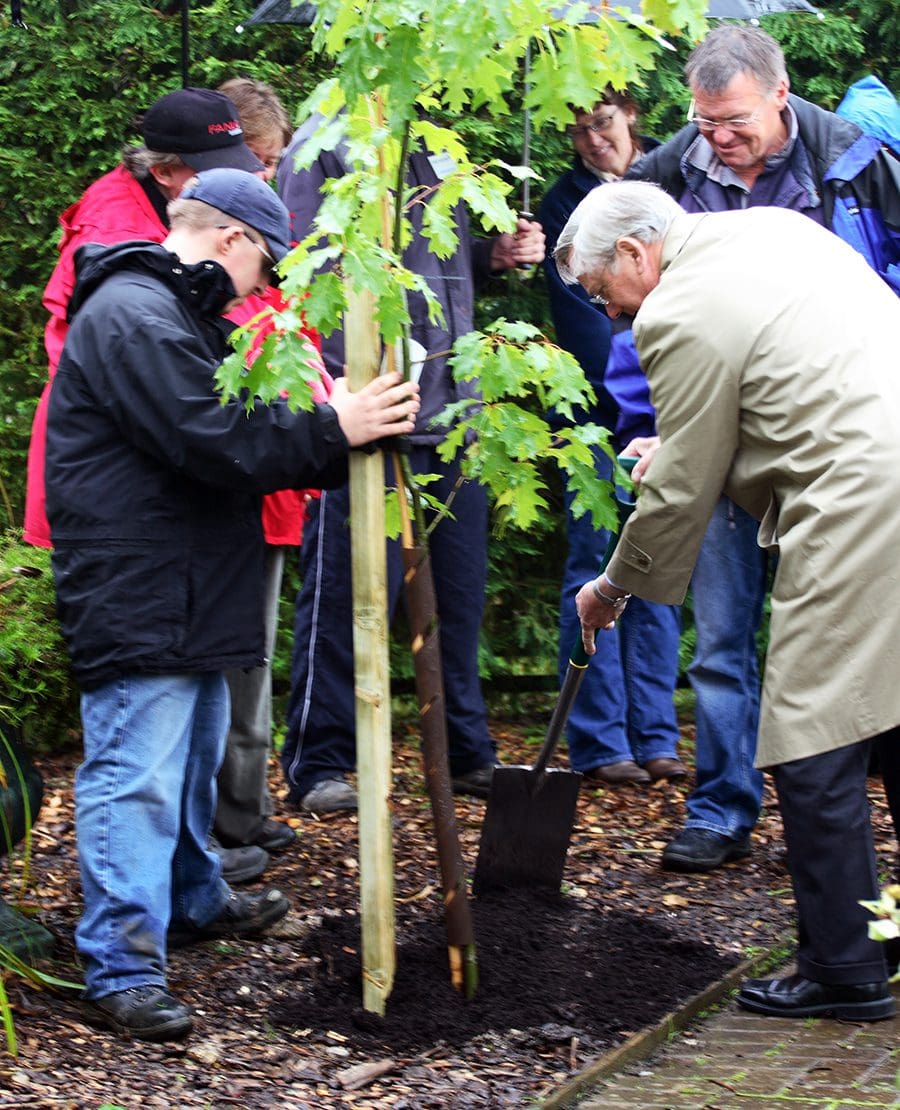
{"x": 113, "y": 210}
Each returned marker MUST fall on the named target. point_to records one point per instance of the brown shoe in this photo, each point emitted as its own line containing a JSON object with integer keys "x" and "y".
{"x": 626, "y": 771}
{"x": 664, "y": 768}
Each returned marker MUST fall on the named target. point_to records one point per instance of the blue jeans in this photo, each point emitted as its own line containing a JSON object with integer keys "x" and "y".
{"x": 728, "y": 589}
{"x": 320, "y": 741}
{"x": 624, "y": 709}
{"x": 144, "y": 802}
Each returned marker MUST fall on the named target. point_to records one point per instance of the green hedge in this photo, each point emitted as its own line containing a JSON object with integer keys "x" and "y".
{"x": 73, "y": 83}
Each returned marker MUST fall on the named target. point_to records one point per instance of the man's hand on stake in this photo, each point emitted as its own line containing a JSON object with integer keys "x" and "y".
{"x": 387, "y": 406}
{"x": 526, "y": 246}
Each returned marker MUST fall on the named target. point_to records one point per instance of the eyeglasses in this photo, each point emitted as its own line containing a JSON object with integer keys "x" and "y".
{"x": 597, "y": 124}
{"x": 709, "y": 125}
{"x": 269, "y": 268}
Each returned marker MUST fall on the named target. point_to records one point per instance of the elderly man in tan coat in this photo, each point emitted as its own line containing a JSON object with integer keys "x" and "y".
{"x": 771, "y": 351}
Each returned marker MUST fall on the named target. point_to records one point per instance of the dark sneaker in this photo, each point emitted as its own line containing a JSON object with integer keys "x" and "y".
{"x": 329, "y": 795}
{"x": 240, "y": 865}
{"x": 242, "y": 915}
{"x": 477, "y": 782}
{"x": 703, "y": 850}
{"x": 147, "y": 1013}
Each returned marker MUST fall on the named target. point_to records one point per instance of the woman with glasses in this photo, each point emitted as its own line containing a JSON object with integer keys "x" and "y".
{"x": 623, "y": 727}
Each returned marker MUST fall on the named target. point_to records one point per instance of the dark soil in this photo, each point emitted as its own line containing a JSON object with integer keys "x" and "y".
{"x": 279, "y": 1021}
{"x": 547, "y": 964}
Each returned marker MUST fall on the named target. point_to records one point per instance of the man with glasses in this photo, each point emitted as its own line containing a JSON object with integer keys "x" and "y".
{"x": 751, "y": 143}
{"x": 153, "y": 495}
{"x": 771, "y": 348}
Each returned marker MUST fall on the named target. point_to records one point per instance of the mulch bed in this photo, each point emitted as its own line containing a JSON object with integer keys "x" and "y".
{"x": 280, "y": 1020}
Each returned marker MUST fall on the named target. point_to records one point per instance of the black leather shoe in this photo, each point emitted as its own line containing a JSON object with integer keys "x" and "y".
{"x": 477, "y": 782}
{"x": 240, "y": 865}
{"x": 241, "y": 915}
{"x": 799, "y": 997}
{"x": 703, "y": 850}
{"x": 149, "y": 1013}
{"x": 274, "y": 836}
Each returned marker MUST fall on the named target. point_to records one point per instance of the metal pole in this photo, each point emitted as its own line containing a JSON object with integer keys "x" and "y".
{"x": 185, "y": 44}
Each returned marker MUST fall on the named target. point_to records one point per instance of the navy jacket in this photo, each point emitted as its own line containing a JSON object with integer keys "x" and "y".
{"x": 153, "y": 485}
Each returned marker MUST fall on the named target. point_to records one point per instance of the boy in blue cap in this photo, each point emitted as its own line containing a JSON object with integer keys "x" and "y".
{"x": 153, "y": 496}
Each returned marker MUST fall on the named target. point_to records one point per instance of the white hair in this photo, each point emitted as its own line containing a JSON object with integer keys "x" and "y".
{"x": 606, "y": 215}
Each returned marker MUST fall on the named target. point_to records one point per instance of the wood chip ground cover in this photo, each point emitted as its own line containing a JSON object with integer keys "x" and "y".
{"x": 279, "y": 1019}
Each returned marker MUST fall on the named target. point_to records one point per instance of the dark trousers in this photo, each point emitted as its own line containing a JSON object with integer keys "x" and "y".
{"x": 888, "y": 746}
{"x": 321, "y": 733}
{"x": 831, "y": 858}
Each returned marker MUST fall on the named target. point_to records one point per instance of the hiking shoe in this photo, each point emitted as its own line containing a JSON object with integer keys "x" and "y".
{"x": 328, "y": 795}
{"x": 241, "y": 915}
{"x": 703, "y": 850}
{"x": 240, "y": 865}
{"x": 477, "y": 782}
{"x": 148, "y": 1013}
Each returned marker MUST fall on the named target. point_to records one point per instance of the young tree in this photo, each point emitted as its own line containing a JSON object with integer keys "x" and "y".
{"x": 401, "y": 70}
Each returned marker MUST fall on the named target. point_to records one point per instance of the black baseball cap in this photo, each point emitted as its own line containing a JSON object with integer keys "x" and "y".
{"x": 246, "y": 198}
{"x": 202, "y": 127}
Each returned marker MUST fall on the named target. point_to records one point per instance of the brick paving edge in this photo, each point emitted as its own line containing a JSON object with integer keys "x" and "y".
{"x": 647, "y": 1040}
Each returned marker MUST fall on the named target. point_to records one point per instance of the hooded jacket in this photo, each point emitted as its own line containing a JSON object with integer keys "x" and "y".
{"x": 116, "y": 209}
{"x": 153, "y": 485}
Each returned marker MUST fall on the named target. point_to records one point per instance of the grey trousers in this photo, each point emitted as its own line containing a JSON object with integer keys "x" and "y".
{"x": 244, "y": 800}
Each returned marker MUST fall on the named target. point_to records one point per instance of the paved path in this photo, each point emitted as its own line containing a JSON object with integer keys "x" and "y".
{"x": 734, "y": 1060}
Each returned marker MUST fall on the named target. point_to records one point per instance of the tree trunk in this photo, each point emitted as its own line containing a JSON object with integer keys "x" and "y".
{"x": 426, "y": 651}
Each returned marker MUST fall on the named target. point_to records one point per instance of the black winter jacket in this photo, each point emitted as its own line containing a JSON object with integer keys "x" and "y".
{"x": 153, "y": 485}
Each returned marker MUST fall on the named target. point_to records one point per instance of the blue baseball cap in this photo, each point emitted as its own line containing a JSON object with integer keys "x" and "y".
{"x": 247, "y": 198}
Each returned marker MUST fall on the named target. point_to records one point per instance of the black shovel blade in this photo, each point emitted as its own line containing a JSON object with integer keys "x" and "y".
{"x": 527, "y": 826}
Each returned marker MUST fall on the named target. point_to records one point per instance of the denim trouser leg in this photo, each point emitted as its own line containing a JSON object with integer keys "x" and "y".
{"x": 144, "y": 797}
{"x": 728, "y": 589}
{"x": 649, "y": 635}
{"x": 624, "y": 709}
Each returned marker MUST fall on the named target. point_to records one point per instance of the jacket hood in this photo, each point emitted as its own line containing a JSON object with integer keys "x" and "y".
{"x": 205, "y": 286}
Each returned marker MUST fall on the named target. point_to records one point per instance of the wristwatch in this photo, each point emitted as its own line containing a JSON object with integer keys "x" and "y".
{"x": 615, "y": 602}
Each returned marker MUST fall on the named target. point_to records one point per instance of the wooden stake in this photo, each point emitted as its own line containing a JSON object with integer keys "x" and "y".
{"x": 372, "y": 674}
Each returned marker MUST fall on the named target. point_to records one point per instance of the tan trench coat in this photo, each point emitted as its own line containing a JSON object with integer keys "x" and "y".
{"x": 772, "y": 354}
